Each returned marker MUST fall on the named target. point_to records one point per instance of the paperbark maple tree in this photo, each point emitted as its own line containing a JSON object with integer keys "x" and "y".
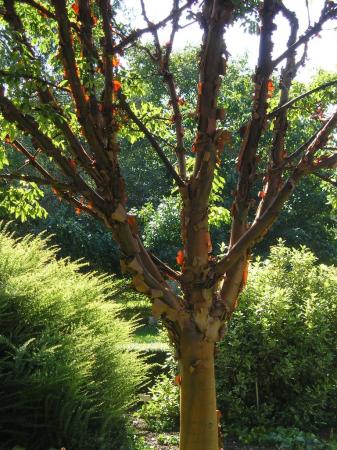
{"x": 66, "y": 97}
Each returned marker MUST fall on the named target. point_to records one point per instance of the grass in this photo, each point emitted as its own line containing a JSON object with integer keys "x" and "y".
{"x": 148, "y": 334}
{"x": 137, "y": 307}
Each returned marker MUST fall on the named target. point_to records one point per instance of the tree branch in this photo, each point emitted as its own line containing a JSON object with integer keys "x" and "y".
{"x": 26, "y": 76}
{"x": 47, "y": 97}
{"x": 80, "y": 94}
{"x": 151, "y": 27}
{"x": 180, "y": 182}
{"x": 325, "y": 178}
{"x": 28, "y": 125}
{"x": 273, "y": 180}
{"x": 164, "y": 267}
{"x": 37, "y": 180}
{"x": 169, "y": 79}
{"x": 108, "y": 94}
{"x": 329, "y": 10}
{"x": 263, "y": 223}
{"x": 290, "y": 103}
{"x": 32, "y": 159}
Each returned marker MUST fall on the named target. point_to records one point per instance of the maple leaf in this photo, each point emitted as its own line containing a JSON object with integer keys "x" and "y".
{"x": 78, "y": 211}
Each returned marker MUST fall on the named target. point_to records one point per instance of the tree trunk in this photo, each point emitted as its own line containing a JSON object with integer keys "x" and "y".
{"x": 198, "y": 418}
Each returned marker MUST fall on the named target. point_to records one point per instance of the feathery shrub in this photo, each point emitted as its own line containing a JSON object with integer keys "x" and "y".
{"x": 66, "y": 378}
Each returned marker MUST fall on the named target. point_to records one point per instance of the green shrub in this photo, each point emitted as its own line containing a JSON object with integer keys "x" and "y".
{"x": 161, "y": 413}
{"x": 162, "y": 231}
{"x": 285, "y": 438}
{"x": 278, "y": 363}
{"x": 66, "y": 378}
{"x": 77, "y": 236}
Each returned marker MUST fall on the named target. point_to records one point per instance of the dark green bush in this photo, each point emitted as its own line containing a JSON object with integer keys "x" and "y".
{"x": 66, "y": 377}
{"x": 278, "y": 363}
{"x": 281, "y": 438}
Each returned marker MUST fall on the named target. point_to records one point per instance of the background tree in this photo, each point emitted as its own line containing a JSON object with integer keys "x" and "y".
{"x": 64, "y": 89}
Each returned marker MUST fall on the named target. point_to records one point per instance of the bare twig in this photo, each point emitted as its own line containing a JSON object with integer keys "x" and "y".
{"x": 151, "y": 27}
{"x": 329, "y": 10}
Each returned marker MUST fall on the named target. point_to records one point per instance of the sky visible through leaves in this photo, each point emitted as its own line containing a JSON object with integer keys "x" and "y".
{"x": 322, "y": 51}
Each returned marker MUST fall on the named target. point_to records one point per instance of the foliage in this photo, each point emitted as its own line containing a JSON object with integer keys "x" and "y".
{"x": 314, "y": 227}
{"x": 67, "y": 379}
{"x": 161, "y": 225}
{"x": 285, "y": 438}
{"x": 281, "y": 341}
{"x": 165, "y": 439}
{"x": 133, "y": 304}
{"x": 277, "y": 365}
{"x": 162, "y": 229}
{"x": 161, "y": 413}
{"x": 22, "y": 201}
{"x": 77, "y": 236}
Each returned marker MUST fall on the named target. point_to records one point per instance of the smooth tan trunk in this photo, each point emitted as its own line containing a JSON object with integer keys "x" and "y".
{"x": 198, "y": 419}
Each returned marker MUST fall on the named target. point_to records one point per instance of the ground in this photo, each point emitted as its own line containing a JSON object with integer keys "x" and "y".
{"x": 169, "y": 441}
